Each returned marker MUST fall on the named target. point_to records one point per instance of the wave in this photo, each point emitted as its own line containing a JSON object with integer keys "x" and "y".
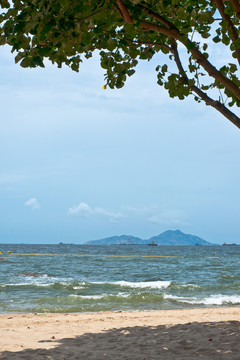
{"x": 102, "y": 296}
{"x": 141, "y": 284}
{"x": 179, "y": 286}
{"x": 89, "y": 297}
{"x": 210, "y": 300}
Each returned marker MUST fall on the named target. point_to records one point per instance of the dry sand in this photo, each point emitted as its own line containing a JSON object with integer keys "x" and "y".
{"x": 212, "y": 333}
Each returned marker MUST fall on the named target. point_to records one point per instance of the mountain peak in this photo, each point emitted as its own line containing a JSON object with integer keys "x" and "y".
{"x": 176, "y": 232}
{"x": 177, "y": 237}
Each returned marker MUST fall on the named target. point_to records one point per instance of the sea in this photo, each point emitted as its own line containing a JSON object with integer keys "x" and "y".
{"x": 68, "y": 278}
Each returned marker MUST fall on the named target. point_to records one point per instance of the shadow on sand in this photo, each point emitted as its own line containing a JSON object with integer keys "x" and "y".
{"x": 215, "y": 340}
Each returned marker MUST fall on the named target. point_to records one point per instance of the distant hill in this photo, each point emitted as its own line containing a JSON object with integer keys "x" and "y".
{"x": 177, "y": 237}
{"x": 118, "y": 240}
{"x": 169, "y": 237}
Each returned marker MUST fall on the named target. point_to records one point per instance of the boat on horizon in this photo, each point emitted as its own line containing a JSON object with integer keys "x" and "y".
{"x": 225, "y": 244}
{"x": 152, "y": 243}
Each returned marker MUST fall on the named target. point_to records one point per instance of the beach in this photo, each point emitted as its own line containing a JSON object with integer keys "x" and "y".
{"x": 204, "y": 333}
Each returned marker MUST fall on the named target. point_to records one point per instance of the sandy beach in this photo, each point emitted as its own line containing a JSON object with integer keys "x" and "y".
{"x": 209, "y": 333}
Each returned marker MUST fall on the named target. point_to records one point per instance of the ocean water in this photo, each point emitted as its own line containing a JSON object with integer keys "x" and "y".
{"x": 83, "y": 278}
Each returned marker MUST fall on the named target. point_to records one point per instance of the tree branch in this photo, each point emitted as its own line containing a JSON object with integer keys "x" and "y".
{"x": 173, "y": 33}
{"x": 232, "y": 31}
{"x": 211, "y": 70}
{"x": 200, "y": 58}
{"x": 217, "y": 105}
{"x": 236, "y": 6}
{"x": 124, "y": 12}
{"x": 208, "y": 101}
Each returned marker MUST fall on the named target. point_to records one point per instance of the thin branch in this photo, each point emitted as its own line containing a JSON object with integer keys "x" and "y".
{"x": 156, "y": 16}
{"x": 89, "y": 16}
{"x": 171, "y": 33}
{"x": 221, "y": 96}
{"x": 178, "y": 62}
{"x": 151, "y": 43}
{"x": 232, "y": 31}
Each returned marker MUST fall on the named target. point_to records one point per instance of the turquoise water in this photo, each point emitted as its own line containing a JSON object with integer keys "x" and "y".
{"x": 77, "y": 278}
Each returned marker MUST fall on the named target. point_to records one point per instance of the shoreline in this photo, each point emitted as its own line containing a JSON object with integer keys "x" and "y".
{"x": 212, "y": 332}
{"x": 211, "y": 307}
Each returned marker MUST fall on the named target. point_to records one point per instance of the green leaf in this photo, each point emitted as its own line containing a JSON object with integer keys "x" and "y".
{"x": 233, "y": 68}
{"x": 216, "y": 39}
{"x": 18, "y": 57}
{"x": 37, "y": 61}
{"x": 190, "y": 45}
{"x": 205, "y": 46}
{"x": 164, "y": 68}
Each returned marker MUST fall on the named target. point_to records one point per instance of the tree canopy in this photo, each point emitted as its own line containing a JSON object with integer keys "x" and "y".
{"x": 124, "y": 31}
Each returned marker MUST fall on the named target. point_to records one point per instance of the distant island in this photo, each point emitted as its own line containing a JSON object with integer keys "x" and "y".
{"x": 169, "y": 237}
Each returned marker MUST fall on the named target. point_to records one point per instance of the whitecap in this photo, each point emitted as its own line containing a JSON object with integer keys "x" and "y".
{"x": 91, "y": 297}
{"x": 96, "y": 297}
{"x": 141, "y": 284}
{"x": 211, "y": 300}
{"x": 222, "y": 299}
{"x": 145, "y": 284}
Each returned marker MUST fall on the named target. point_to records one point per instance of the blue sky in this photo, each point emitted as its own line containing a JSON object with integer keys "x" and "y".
{"x": 80, "y": 163}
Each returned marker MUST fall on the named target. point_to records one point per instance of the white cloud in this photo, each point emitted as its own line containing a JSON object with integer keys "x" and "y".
{"x": 33, "y": 203}
{"x": 84, "y": 210}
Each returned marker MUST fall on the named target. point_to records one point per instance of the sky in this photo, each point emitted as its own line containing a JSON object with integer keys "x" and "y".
{"x": 80, "y": 163}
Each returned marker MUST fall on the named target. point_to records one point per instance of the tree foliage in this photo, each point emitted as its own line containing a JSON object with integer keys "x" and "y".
{"x": 124, "y": 31}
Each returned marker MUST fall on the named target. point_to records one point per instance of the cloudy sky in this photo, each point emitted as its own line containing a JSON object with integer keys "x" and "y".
{"x": 79, "y": 163}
